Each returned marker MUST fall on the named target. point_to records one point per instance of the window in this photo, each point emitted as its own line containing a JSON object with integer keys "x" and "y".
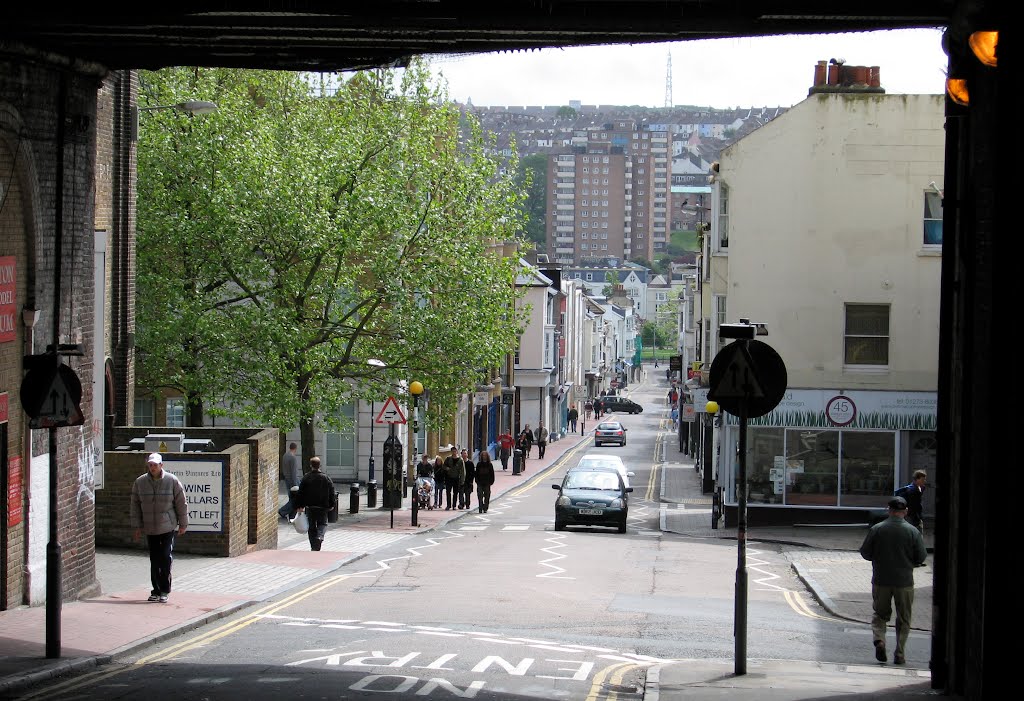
{"x": 340, "y": 447}
{"x": 176, "y": 412}
{"x": 590, "y": 277}
{"x": 866, "y": 339}
{"x": 723, "y": 216}
{"x": 144, "y": 409}
{"x": 720, "y": 317}
{"x": 932, "y": 218}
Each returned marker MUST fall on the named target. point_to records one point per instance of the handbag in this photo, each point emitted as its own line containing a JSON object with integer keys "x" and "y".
{"x": 301, "y": 522}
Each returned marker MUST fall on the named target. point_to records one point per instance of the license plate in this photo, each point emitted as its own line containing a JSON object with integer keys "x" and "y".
{"x": 590, "y": 512}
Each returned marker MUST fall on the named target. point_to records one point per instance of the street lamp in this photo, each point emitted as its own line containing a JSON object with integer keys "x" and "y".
{"x": 712, "y": 409}
{"x": 189, "y": 106}
{"x": 415, "y": 389}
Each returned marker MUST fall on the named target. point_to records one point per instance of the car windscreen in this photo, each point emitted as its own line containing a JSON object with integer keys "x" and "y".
{"x": 587, "y": 479}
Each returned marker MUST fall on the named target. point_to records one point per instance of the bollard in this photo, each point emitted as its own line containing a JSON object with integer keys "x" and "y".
{"x": 353, "y": 498}
{"x": 415, "y": 509}
{"x": 371, "y": 494}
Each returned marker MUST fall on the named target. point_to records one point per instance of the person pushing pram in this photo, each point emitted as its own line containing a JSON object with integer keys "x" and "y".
{"x": 425, "y": 484}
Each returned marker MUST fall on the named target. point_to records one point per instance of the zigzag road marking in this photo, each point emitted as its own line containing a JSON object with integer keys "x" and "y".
{"x": 556, "y": 571}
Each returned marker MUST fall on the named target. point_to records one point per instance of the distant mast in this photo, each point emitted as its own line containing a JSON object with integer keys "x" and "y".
{"x": 668, "y": 81}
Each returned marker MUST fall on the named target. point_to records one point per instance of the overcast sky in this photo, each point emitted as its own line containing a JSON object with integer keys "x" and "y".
{"x": 722, "y": 73}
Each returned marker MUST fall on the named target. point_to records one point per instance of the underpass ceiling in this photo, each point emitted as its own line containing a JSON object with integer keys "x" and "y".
{"x": 329, "y": 35}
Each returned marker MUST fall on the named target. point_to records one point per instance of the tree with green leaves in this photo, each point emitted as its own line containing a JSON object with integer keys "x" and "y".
{"x": 294, "y": 235}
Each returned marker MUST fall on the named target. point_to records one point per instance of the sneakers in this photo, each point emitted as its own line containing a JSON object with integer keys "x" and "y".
{"x": 153, "y": 597}
{"x": 163, "y": 598}
{"x": 880, "y": 650}
{"x": 898, "y": 659}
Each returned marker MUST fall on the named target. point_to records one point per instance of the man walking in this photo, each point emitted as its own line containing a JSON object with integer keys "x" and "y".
{"x": 484, "y": 480}
{"x": 291, "y": 470}
{"x": 456, "y": 475}
{"x": 158, "y": 509}
{"x": 914, "y": 494}
{"x": 542, "y": 439}
{"x": 894, "y": 548}
{"x": 505, "y": 443}
{"x": 316, "y": 498}
{"x": 572, "y": 416}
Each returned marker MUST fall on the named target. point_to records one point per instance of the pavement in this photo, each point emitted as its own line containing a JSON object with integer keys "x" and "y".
{"x": 97, "y": 630}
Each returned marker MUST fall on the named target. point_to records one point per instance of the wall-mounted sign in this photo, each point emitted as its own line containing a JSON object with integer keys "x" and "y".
{"x": 8, "y": 298}
{"x": 203, "y": 482}
{"x": 841, "y": 410}
{"x": 14, "y": 489}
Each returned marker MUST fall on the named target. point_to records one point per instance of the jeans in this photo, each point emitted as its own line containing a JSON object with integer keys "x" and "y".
{"x": 465, "y": 493}
{"x": 541, "y": 447}
{"x": 438, "y": 492}
{"x": 161, "y": 549}
{"x": 483, "y": 497}
{"x": 288, "y": 509}
{"x": 317, "y": 526}
{"x": 451, "y": 490}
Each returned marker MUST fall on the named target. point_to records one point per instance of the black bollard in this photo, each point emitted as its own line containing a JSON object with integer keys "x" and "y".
{"x": 353, "y": 498}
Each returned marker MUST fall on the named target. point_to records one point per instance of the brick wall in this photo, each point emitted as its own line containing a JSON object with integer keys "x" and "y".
{"x": 48, "y": 128}
{"x": 250, "y": 468}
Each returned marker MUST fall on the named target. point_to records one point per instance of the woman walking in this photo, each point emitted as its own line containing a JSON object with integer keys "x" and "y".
{"x": 484, "y": 480}
{"x": 440, "y": 480}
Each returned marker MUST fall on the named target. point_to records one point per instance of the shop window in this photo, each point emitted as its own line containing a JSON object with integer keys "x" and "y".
{"x": 811, "y": 469}
{"x": 866, "y": 468}
{"x": 339, "y": 456}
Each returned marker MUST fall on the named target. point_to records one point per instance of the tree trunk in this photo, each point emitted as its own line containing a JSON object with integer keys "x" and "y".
{"x": 193, "y": 409}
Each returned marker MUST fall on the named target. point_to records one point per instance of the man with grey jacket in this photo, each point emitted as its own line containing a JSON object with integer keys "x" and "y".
{"x": 894, "y": 548}
{"x": 158, "y": 509}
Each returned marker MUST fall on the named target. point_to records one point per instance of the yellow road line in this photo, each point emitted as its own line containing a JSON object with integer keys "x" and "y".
{"x": 192, "y": 643}
{"x": 796, "y": 602}
{"x": 595, "y": 687}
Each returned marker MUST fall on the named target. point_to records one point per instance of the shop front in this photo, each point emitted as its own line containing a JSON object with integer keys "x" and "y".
{"x": 826, "y": 456}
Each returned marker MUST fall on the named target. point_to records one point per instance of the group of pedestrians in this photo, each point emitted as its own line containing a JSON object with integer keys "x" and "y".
{"x": 452, "y": 480}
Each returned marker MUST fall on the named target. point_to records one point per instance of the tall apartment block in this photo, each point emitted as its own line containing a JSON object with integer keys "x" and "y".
{"x": 609, "y": 193}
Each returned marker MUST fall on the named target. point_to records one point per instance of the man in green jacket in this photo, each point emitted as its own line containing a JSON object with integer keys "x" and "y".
{"x": 158, "y": 509}
{"x": 456, "y": 476}
{"x": 894, "y": 548}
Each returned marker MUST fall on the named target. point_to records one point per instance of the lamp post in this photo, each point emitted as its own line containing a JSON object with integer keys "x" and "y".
{"x": 371, "y": 482}
{"x": 415, "y": 389}
{"x": 189, "y": 106}
{"x": 716, "y": 496}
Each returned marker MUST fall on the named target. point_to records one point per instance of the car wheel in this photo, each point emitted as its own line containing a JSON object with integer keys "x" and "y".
{"x": 559, "y": 525}
{"x": 622, "y": 526}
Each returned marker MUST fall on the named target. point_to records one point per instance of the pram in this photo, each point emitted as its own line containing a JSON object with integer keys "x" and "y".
{"x": 424, "y": 493}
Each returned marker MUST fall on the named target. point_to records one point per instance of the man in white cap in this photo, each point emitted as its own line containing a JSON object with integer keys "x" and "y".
{"x": 159, "y": 510}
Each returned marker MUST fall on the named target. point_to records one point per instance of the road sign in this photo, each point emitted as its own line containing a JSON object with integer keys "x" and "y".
{"x": 748, "y": 377}
{"x": 50, "y": 395}
{"x": 689, "y": 412}
{"x": 390, "y": 413}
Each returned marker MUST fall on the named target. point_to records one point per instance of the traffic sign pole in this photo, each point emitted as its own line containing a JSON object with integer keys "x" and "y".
{"x": 748, "y": 379}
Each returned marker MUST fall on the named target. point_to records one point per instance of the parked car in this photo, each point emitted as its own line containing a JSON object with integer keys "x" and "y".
{"x": 606, "y": 460}
{"x": 622, "y": 405}
{"x": 609, "y": 432}
{"x": 592, "y": 496}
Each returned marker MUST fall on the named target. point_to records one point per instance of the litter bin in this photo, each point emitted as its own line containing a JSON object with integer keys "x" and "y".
{"x": 353, "y": 498}
{"x": 517, "y": 461}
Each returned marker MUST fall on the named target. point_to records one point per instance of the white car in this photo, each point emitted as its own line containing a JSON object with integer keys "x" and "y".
{"x": 606, "y": 459}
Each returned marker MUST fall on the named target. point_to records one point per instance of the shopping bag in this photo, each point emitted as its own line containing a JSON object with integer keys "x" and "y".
{"x": 301, "y": 523}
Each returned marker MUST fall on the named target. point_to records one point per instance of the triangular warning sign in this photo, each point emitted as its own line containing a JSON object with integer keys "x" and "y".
{"x": 391, "y": 413}
{"x": 738, "y": 380}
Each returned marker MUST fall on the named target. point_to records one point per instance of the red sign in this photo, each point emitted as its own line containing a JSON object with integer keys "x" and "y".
{"x": 391, "y": 413}
{"x": 4, "y": 407}
{"x": 14, "y": 491}
{"x": 8, "y": 298}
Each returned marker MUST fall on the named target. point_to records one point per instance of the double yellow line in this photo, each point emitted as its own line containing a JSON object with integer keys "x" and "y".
{"x": 617, "y": 672}
{"x": 192, "y": 643}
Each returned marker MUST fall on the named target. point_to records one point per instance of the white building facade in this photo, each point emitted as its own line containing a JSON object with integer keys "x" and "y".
{"x": 841, "y": 261}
